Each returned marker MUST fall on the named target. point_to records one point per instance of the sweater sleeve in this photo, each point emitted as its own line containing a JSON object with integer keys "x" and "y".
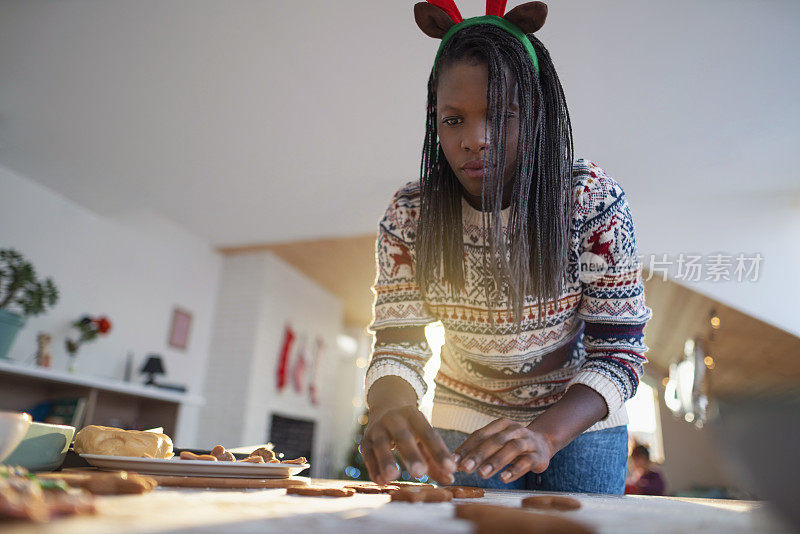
{"x": 398, "y": 302}
{"x": 613, "y": 302}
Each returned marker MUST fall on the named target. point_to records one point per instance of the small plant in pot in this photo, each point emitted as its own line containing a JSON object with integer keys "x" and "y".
{"x": 21, "y": 295}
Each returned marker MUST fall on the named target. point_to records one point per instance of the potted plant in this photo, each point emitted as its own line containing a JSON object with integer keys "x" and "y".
{"x": 21, "y": 295}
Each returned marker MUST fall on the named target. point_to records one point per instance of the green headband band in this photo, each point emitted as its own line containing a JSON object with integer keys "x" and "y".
{"x": 492, "y": 20}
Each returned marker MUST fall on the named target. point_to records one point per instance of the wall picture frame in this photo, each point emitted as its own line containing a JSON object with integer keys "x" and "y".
{"x": 180, "y": 328}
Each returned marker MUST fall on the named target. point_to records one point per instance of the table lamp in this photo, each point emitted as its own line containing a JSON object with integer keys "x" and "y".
{"x": 153, "y": 366}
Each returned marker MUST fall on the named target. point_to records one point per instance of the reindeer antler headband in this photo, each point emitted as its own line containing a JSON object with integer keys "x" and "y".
{"x": 441, "y": 19}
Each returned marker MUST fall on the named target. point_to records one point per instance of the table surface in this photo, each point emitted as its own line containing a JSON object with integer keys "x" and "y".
{"x": 271, "y": 510}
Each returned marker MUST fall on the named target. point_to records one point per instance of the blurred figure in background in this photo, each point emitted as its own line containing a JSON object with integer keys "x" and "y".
{"x": 644, "y": 479}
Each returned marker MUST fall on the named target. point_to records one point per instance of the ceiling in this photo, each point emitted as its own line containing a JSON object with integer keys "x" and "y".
{"x": 749, "y": 355}
{"x": 274, "y": 121}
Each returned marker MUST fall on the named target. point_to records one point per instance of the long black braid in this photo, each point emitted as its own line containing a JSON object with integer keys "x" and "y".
{"x": 531, "y": 259}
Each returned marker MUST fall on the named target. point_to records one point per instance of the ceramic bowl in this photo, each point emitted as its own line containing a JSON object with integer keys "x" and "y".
{"x": 13, "y": 426}
{"x": 43, "y": 448}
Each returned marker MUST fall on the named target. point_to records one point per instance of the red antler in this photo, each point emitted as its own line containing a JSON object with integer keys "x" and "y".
{"x": 449, "y": 7}
{"x": 496, "y": 7}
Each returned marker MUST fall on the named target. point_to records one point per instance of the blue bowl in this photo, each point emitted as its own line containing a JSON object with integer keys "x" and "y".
{"x": 43, "y": 448}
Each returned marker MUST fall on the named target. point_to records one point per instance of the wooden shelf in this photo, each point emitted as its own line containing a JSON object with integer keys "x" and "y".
{"x": 108, "y": 400}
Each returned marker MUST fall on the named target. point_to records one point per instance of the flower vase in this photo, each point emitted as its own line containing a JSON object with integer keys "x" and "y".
{"x": 10, "y": 325}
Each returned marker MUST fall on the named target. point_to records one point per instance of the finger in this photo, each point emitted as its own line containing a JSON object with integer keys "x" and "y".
{"x": 406, "y": 444}
{"x": 474, "y": 459}
{"x": 382, "y": 449}
{"x": 435, "y": 471}
{"x": 518, "y": 468}
{"x": 508, "y": 453}
{"x": 475, "y": 440}
{"x": 370, "y": 461}
{"x": 437, "y": 450}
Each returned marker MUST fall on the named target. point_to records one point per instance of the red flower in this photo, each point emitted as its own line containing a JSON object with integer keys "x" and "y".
{"x": 103, "y": 325}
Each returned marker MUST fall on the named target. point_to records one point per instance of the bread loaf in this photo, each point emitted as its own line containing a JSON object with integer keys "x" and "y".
{"x": 111, "y": 441}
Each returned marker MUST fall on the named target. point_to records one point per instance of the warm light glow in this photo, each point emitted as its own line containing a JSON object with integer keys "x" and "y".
{"x": 665, "y": 381}
{"x": 688, "y": 348}
{"x": 361, "y": 362}
{"x": 715, "y": 322}
{"x": 362, "y": 419}
{"x": 434, "y": 333}
{"x": 709, "y": 361}
{"x": 671, "y": 395}
{"x": 347, "y": 343}
{"x": 642, "y": 410}
{"x": 689, "y": 417}
{"x": 358, "y": 402}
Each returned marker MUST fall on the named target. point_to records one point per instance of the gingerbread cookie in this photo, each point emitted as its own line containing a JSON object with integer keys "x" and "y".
{"x": 551, "y": 502}
{"x": 372, "y": 488}
{"x": 412, "y": 484}
{"x": 411, "y": 494}
{"x": 489, "y": 519}
{"x": 100, "y": 483}
{"x": 264, "y": 453}
{"x": 222, "y": 455}
{"x": 465, "y": 492}
{"x": 186, "y": 455}
{"x": 252, "y": 460}
{"x": 318, "y": 491}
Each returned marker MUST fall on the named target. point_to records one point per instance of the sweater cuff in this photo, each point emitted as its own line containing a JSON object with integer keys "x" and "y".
{"x": 382, "y": 368}
{"x": 602, "y": 385}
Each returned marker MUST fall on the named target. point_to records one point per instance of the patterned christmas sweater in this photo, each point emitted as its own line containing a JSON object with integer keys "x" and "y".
{"x": 490, "y": 370}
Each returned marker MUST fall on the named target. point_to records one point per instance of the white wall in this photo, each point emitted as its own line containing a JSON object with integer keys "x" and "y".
{"x": 134, "y": 270}
{"x": 693, "y": 457}
{"x": 768, "y": 224}
{"x": 259, "y": 295}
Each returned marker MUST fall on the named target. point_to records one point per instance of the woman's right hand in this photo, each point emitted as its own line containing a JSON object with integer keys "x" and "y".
{"x": 398, "y": 424}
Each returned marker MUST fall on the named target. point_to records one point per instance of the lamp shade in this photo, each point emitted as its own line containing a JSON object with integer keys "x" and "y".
{"x": 153, "y": 365}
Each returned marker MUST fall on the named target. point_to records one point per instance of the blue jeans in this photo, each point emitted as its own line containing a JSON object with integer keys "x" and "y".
{"x": 595, "y": 462}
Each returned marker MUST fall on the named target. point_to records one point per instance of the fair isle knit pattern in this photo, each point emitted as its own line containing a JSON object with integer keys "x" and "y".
{"x": 489, "y": 370}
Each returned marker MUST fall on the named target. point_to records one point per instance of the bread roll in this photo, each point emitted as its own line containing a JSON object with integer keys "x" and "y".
{"x": 117, "y": 442}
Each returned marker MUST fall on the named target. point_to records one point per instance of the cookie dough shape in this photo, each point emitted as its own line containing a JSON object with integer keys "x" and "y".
{"x": 465, "y": 492}
{"x": 411, "y": 494}
{"x": 317, "y": 491}
{"x": 489, "y": 519}
{"x": 373, "y": 488}
{"x": 551, "y": 502}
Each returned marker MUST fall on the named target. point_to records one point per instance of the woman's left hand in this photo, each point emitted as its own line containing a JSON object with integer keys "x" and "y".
{"x": 504, "y": 443}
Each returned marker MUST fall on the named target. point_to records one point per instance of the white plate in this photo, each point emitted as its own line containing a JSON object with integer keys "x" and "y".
{"x": 194, "y": 468}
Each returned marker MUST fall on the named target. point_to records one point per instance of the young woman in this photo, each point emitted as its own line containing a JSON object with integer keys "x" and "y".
{"x": 528, "y": 259}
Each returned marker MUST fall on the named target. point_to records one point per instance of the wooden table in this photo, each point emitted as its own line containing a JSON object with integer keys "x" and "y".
{"x": 271, "y": 510}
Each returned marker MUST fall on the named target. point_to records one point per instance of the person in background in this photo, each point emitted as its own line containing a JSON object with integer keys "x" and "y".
{"x": 644, "y": 480}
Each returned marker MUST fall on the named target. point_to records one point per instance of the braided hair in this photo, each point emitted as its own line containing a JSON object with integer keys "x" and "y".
{"x": 531, "y": 257}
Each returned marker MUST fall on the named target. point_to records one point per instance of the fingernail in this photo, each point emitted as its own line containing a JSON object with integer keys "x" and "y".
{"x": 485, "y": 470}
{"x": 505, "y": 475}
{"x": 391, "y": 471}
{"x": 469, "y": 465}
{"x": 418, "y": 469}
{"x": 456, "y": 458}
{"x": 448, "y": 480}
{"x": 450, "y": 465}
